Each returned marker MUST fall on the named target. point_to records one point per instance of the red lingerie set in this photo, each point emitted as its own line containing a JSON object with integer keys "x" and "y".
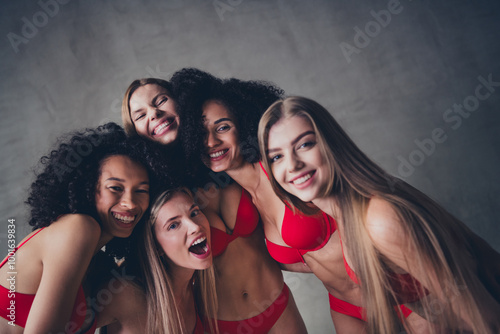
{"x": 247, "y": 220}
{"x": 310, "y": 233}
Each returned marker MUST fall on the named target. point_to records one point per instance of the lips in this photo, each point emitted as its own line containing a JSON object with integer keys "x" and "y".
{"x": 303, "y": 180}
{"x": 218, "y": 155}
{"x": 163, "y": 127}
{"x": 199, "y": 248}
{"x": 124, "y": 219}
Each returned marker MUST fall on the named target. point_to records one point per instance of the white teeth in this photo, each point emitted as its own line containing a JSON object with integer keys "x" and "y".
{"x": 302, "y": 179}
{"x": 217, "y": 154}
{"x": 124, "y": 219}
{"x": 161, "y": 127}
{"x": 197, "y": 241}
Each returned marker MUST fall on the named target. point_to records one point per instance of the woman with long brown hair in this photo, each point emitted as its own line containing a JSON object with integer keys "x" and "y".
{"x": 398, "y": 244}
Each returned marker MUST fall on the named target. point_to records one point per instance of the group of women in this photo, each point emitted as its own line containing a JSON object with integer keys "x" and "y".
{"x": 210, "y": 190}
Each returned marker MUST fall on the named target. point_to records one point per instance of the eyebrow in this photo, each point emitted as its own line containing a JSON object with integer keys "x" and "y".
{"x": 220, "y": 120}
{"x": 173, "y": 218}
{"x": 157, "y": 96}
{"x": 299, "y": 137}
{"x": 122, "y": 180}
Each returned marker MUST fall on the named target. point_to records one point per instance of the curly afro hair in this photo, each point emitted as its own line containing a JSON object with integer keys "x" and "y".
{"x": 69, "y": 175}
{"x": 245, "y": 100}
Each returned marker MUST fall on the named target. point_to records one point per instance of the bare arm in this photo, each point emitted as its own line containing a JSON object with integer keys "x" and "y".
{"x": 66, "y": 254}
{"x": 388, "y": 234}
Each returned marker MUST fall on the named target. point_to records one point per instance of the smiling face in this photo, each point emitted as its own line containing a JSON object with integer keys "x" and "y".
{"x": 183, "y": 233}
{"x": 296, "y": 159}
{"x": 153, "y": 114}
{"x": 122, "y": 195}
{"x": 222, "y": 141}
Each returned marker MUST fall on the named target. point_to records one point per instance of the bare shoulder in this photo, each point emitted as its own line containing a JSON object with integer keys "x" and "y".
{"x": 72, "y": 230}
{"x": 77, "y": 222}
{"x": 384, "y": 225}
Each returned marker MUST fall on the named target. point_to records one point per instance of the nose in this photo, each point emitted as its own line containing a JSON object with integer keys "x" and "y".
{"x": 154, "y": 113}
{"x": 128, "y": 201}
{"x": 193, "y": 227}
{"x": 294, "y": 163}
{"x": 212, "y": 140}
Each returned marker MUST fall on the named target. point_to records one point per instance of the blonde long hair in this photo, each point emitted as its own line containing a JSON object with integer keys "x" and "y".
{"x": 163, "y": 314}
{"x": 437, "y": 238}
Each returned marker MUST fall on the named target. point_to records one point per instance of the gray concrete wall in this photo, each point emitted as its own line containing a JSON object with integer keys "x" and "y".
{"x": 391, "y": 81}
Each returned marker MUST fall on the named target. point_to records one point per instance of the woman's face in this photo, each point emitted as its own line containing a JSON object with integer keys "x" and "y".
{"x": 295, "y": 158}
{"x": 153, "y": 113}
{"x": 122, "y": 195}
{"x": 222, "y": 141}
{"x": 183, "y": 233}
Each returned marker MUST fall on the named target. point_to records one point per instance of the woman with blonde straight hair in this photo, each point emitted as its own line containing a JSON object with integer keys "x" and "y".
{"x": 398, "y": 244}
{"x": 177, "y": 266}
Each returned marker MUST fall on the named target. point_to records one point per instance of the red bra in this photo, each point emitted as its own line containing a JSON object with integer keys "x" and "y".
{"x": 247, "y": 220}
{"x": 301, "y": 233}
{"x": 24, "y": 301}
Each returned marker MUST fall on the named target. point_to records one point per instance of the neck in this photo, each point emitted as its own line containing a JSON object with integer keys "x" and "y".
{"x": 248, "y": 176}
{"x": 181, "y": 281}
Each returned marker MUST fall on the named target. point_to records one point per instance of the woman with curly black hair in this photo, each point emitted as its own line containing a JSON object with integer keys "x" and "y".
{"x": 252, "y": 295}
{"x": 92, "y": 188}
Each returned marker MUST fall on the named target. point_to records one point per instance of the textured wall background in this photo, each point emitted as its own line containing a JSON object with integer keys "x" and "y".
{"x": 393, "y": 74}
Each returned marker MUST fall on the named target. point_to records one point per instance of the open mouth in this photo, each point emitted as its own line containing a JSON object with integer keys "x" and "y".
{"x": 218, "y": 154}
{"x": 199, "y": 247}
{"x": 124, "y": 219}
{"x": 160, "y": 128}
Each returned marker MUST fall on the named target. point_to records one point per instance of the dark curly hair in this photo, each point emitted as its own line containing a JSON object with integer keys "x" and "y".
{"x": 69, "y": 174}
{"x": 245, "y": 100}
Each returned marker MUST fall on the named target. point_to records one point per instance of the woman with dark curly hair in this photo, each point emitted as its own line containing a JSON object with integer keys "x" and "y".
{"x": 92, "y": 188}
{"x": 252, "y": 295}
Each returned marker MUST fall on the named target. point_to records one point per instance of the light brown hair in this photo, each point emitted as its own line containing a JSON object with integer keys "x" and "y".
{"x": 436, "y": 238}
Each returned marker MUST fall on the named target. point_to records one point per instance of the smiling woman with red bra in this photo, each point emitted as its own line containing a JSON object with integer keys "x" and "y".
{"x": 76, "y": 208}
{"x": 230, "y": 111}
{"x": 398, "y": 244}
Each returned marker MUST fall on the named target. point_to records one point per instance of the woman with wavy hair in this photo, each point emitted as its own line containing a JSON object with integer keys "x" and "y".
{"x": 398, "y": 244}
{"x": 92, "y": 189}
